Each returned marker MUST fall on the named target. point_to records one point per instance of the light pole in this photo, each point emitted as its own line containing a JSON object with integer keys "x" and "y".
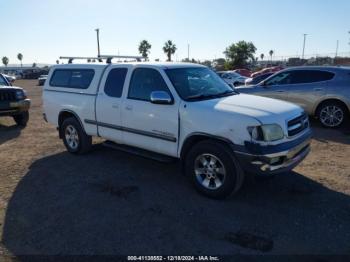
{"x": 304, "y": 46}
{"x": 336, "y": 50}
{"x": 98, "y": 41}
{"x": 188, "y": 52}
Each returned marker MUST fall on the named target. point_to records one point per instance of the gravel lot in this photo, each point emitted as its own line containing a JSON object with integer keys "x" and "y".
{"x": 110, "y": 202}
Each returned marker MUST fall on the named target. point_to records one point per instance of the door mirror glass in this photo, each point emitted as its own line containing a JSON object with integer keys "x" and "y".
{"x": 161, "y": 98}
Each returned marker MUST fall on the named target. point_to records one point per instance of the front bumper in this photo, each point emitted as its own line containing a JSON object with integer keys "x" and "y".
{"x": 14, "y": 108}
{"x": 269, "y": 160}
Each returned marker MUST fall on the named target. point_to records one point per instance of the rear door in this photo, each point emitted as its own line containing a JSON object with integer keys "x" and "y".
{"x": 146, "y": 125}
{"x": 109, "y": 102}
{"x": 308, "y": 87}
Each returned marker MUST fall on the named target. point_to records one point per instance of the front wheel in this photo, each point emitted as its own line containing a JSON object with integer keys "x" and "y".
{"x": 332, "y": 114}
{"x": 74, "y": 137}
{"x": 22, "y": 119}
{"x": 213, "y": 169}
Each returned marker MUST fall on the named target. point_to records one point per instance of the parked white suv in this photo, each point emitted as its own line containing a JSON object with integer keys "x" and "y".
{"x": 181, "y": 111}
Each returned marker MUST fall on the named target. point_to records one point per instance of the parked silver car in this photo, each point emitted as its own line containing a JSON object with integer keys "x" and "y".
{"x": 324, "y": 92}
{"x": 232, "y": 78}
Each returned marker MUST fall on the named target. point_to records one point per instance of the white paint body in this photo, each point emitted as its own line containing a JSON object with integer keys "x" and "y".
{"x": 227, "y": 117}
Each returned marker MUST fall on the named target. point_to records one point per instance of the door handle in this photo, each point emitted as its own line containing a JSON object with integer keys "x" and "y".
{"x": 280, "y": 91}
{"x": 318, "y": 89}
{"x": 128, "y": 107}
{"x": 115, "y": 106}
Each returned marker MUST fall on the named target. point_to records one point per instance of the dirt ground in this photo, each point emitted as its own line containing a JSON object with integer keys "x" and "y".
{"x": 110, "y": 202}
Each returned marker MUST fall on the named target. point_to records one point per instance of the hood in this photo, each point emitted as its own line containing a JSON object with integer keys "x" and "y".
{"x": 265, "y": 110}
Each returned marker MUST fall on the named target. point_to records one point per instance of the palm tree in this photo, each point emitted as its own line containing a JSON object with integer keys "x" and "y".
{"x": 169, "y": 49}
{"x": 20, "y": 57}
{"x": 262, "y": 56}
{"x": 271, "y": 54}
{"x": 5, "y": 60}
{"x": 144, "y": 48}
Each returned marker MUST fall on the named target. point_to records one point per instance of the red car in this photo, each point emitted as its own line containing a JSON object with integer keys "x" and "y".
{"x": 273, "y": 69}
{"x": 243, "y": 72}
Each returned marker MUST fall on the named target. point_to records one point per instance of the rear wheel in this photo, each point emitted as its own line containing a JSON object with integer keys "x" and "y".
{"x": 332, "y": 114}
{"x": 22, "y": 119}
{"x": 213, "y": 169}
{"x": 74, "y": 137}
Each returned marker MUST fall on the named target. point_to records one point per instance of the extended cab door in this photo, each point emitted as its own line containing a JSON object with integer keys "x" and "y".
{"x": 109, "y": 103}
{"x": 147, "y": 125}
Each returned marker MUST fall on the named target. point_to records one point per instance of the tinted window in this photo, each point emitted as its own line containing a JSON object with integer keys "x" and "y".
{"x": 72, "y": 78}
{"x": 115, "y": 82}
{"x": 310, "y": 76}
{"x": 144, "y": 81}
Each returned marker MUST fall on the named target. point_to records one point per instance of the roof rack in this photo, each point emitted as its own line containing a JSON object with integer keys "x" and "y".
{"x": 99, "y": 58}
{"x": 110, "y": 57}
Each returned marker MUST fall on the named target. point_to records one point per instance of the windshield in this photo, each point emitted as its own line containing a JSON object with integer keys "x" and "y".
{"x": 198, "y": 83}
{"x": 3, "y": 81}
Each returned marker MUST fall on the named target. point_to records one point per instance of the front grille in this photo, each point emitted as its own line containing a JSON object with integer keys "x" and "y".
{"x": 7, "y": 95}
{"x": 297, "y": 125}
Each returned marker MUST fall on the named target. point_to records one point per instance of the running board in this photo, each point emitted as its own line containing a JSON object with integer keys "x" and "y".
{"x": 139, "y": 152}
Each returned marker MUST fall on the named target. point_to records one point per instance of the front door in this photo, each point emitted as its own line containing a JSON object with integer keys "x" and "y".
{"x": 146, "y": 125}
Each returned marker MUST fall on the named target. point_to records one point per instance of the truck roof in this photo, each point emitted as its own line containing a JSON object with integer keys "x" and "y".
{"x": 163, "y": 65}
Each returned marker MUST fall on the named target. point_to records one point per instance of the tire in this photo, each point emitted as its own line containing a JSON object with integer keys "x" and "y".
{"x": 74, "y": 137}
{"x": 22, "y": 119}
{"x": 332, "y": 114}
{"x": 206, "y": 178}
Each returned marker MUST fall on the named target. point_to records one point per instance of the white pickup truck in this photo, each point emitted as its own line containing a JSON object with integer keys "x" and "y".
{"x": 181, "y": 111}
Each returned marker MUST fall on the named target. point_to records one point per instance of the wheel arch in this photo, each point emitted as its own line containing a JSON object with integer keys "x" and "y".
{"x": 64, "y": 114}
{"x": 195, "y": 138}
{"x": 329, "y": 99}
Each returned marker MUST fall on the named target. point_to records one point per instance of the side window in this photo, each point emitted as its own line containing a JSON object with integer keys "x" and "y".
{"x": 144, "y": 81}
{"x": 115, "y": 82}
{"x": 3, "y": 81}
{"x": 311, "y": 76}
{"x": 72, "y": 78}
{"x": 283, "y": 78}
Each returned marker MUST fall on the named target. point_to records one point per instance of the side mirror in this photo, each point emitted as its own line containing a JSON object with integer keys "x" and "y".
{"x": 161, "y": 98}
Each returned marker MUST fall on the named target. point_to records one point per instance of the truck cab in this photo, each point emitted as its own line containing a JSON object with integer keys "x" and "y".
{"x": 181, "y": 111}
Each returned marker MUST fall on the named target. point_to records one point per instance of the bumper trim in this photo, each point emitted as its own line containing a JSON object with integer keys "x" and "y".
{"x": 276, "y": 162}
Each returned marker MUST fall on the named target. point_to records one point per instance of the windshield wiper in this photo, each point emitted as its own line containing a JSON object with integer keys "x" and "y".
{"x": 203, "y": 96}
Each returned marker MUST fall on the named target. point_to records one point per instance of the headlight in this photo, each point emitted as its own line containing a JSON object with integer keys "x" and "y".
{"x": 266, "y": 133}
{"x": 20, "y": 94}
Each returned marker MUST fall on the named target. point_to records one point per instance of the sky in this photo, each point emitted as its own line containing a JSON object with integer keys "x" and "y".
{"x": 44, "y": 30}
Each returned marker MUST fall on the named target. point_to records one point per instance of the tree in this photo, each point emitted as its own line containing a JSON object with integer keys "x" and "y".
{"x": 169, "y": 49}
{"x": 271, "y": 54}
{"x": 262, "y": 56}
{"x": 144, "y": 48}
{"x": 57, "y": 61}
{"x": 34, "y": 65}
{"x": 239, "y": 53}
{"x": 20, "y": 57}
{"x": 5, "y": 60}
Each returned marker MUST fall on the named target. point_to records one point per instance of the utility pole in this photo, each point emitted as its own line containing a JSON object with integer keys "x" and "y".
{"x": 98, "y": 41}
{"x": 304, "y": 46}
{"x": 188, "y": 52}
{"x": 349, "y": 38}
{"x": 336, "y": 50}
